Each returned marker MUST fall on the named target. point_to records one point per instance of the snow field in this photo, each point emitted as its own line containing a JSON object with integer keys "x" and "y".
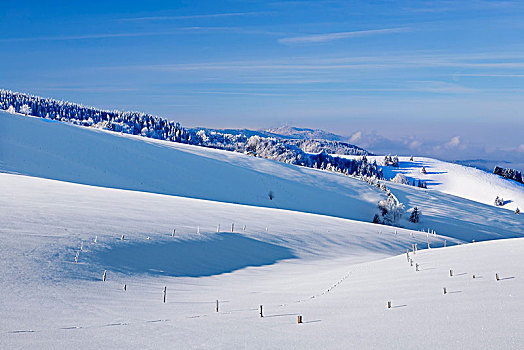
{"x": 457, "y": 180}
{"x": 336, "y": 272}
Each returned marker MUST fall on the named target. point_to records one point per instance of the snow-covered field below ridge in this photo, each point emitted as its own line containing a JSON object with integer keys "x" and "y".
{"x": 54, "y": 150}
{"x": 311, "y": 251}
{"x": 330, "y": 271}
{"x": 458, "y": 180}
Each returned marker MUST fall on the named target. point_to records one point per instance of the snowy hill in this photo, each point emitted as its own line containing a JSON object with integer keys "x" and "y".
{"x": 65, "y": 152}
{"x": 458, "y": 180}
{"x": 153, "y": 214}
{"x": 60, "y": 151}
{"x": 322, "y": 268}
{"x": 303, "y": 133}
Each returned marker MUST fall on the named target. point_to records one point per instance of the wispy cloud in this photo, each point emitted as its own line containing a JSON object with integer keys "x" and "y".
{"x": 441, "y": 87}
{"x": 489, "y": 75}
{"x": 86, "y": 36}
{"x": 319, "y": 38}
{"x": 195, "y": 29}
{"x": 454, "y": 142}
{"x": 430, "y": 9}
{"x": 211, "y": 15}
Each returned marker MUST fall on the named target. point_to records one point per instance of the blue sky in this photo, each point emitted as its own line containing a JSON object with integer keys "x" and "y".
{"x": 442, "y": 78}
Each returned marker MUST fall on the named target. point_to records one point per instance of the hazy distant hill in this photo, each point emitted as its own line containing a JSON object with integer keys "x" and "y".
{"x": 308, "y": 140}
{"x": 304, "y": 133}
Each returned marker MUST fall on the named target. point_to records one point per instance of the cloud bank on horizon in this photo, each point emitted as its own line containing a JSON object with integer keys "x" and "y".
{"x": 438, "y": 78}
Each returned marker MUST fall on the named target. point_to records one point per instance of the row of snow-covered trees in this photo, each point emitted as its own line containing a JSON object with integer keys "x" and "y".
{"x": 146, "y": 125}
{"x": 509, "y": 174}
{"x": 134, "y": 123}
{"x": 326, "y": 146}
{"x": 272, "y": 148}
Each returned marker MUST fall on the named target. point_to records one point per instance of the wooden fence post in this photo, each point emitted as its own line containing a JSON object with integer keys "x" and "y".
{"x": 299, "y": 319}
{"x": 389, "y": 304}
{"x": 104, "y": 276}
{"x": 165, "y": 292}
{"x": 217, "y": 306}
{"x": 261, "y": 313}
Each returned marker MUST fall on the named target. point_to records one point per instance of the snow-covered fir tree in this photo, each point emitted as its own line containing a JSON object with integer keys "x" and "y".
{"x": 415, "y": 215}
{"x": 391, "y": 161}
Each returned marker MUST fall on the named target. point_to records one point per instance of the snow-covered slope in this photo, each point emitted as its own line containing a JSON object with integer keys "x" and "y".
{"x": 60, "y": 151}
{"x": 320, "y": 267}
{"x": 458, "y": 180}
{"x": 65, "y": 152}
{"x": 96, "y": 201}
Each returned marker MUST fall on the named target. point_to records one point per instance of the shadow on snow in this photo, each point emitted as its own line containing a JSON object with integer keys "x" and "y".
{"x": 211, "y": 255}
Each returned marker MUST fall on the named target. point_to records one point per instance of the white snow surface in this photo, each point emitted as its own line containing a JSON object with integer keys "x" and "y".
{"x": 311, "y": 252}
{"x": 60, "y": 151}
{"x": 458, "y": 180}
{"x": 323, "y": 268}
{"x": 55, "y": 150}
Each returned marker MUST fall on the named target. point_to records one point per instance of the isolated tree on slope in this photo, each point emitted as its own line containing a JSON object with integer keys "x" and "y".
{"x": 415, "y": 215}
